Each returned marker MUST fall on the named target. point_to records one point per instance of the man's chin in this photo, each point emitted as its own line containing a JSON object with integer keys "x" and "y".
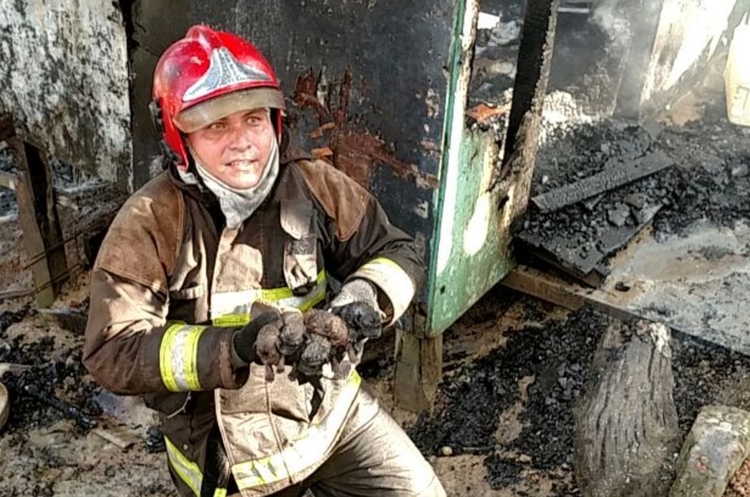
{"x": 244, "y": 181}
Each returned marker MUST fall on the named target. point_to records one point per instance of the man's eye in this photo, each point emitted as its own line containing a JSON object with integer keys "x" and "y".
{"x": 253, "y": 119}
{"x": 215, "y": 126}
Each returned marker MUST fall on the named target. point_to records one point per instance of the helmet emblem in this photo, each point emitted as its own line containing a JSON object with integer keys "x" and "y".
{"x": 224, "y": 70}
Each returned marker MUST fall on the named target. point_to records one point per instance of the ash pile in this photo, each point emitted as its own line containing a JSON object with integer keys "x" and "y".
{"x": 46, "y": 382}
{"x": 598, "y": 185}
{"x": 588, "y": 53}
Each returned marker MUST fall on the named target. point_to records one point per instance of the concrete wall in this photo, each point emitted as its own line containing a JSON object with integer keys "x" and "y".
{"x": 63, "y": 73}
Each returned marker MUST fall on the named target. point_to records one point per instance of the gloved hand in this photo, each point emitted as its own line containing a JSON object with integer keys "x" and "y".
{"x": 273, "y": 335}
{"x": 357, "y": 305}
{"x": 244, "y": 340}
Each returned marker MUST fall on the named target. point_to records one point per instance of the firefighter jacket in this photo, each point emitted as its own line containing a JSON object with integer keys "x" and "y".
{"x": 171, "y": 285}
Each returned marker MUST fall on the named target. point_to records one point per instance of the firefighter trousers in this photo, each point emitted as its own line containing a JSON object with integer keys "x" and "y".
{"x": 376, "y": 459}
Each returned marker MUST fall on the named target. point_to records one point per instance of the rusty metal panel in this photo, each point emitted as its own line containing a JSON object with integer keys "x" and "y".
{"x": 64, "y": 76}
{"x": 365, "y": 82}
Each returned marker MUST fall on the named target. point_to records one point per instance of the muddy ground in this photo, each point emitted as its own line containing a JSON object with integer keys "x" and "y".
{"x": 502, "y": 424}
{"x": 514, "y": 367}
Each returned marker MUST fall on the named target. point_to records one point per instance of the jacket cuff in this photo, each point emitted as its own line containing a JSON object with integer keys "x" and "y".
{"x": 392, "y": 281}
{"x": 216, "y": 366}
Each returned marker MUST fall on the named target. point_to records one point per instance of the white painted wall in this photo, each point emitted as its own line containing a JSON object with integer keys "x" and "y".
{"x": 63, "y": 73}
{"x": 688, "y": 31}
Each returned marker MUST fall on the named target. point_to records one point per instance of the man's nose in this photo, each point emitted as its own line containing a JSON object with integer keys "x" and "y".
{"x": 242, "y": 138}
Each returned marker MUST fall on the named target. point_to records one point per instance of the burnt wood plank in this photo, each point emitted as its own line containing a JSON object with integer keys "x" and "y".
{"x": 602, "y": 182}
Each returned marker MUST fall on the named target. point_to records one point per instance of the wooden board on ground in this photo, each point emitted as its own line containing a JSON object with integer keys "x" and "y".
{"x": 696, "y": 283}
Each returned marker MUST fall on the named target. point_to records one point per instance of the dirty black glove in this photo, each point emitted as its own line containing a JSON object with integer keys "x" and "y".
{"x": 244, "y": 341}
{"x": 273, "y": 337}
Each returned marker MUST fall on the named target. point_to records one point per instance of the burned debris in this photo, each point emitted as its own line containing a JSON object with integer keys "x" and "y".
{"x": 598, "y": 185}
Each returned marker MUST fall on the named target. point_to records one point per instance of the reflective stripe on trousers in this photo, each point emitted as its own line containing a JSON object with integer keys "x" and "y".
{"x": 304, "y": 452}
{"x": 188, "y": 471}
{"x": 298, "y": 456}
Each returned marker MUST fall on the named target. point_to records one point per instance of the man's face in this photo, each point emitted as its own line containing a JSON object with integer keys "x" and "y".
{"x": 235, "y": 149}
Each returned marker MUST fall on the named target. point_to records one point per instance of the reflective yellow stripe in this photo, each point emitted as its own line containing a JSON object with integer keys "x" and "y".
{"x": 248, "y": 475}
{"x": 232, "y": 320}
{"x": 233, "y": 308}
{"x": 301, "y": 453}
{"x": 188, "y": 471}
{"x": 384, "y": 260}
{"x": 178, "y": 357}
{"x": 388, "y": 272}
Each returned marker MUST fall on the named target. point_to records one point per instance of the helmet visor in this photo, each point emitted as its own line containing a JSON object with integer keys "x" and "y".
{"x": 210, "y": 111}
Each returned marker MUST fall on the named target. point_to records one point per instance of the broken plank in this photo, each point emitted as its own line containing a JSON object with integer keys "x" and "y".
{"x": 539, "y": 285}
{"x": 8, "y": 180}
{"x": 15, "y": 294}
{"x": 602, "y": 182}
{"x": 117, "y": 436}
{"x": 419, "y": 368}
{"x": 9, "y": 367}
{"x": 565, "y": 294}
{"x": 42, "y": 233}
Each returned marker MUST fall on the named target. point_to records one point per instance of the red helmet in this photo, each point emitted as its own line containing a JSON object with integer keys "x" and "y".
{"x": 205, "y": 76}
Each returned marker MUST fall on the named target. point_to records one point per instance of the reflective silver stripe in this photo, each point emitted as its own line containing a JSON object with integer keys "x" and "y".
{"x": 301, "y": 453}
{"x": 231, "y": 307}
{"x": 178, "y": 357}
{"x": 223, "y": 70}
{"x": 188, "y": 471}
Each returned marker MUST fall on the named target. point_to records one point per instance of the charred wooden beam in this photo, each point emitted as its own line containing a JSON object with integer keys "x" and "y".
{"x": 602, "y": 182}
{"x": 626, "y": 423}
{"x": 529, "y": 88}
{"x": 42, "y": 234}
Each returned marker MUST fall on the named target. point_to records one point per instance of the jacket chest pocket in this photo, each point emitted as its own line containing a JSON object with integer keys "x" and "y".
{"x": 300, "y": 245}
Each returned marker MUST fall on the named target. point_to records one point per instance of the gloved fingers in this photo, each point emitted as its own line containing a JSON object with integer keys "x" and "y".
{"x": 245, "y": 339}
{"x": 356, "y": 290}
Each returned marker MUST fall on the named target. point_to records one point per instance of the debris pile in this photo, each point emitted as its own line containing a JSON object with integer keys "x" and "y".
{"x": 47, "y": 383}
{"x": 590, "y": 49}
{"x": 597, "y": 185}
{"x": 515, "y": 405}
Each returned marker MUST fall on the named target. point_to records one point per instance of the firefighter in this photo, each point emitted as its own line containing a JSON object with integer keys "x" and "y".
{"x": 241, "y": 216}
